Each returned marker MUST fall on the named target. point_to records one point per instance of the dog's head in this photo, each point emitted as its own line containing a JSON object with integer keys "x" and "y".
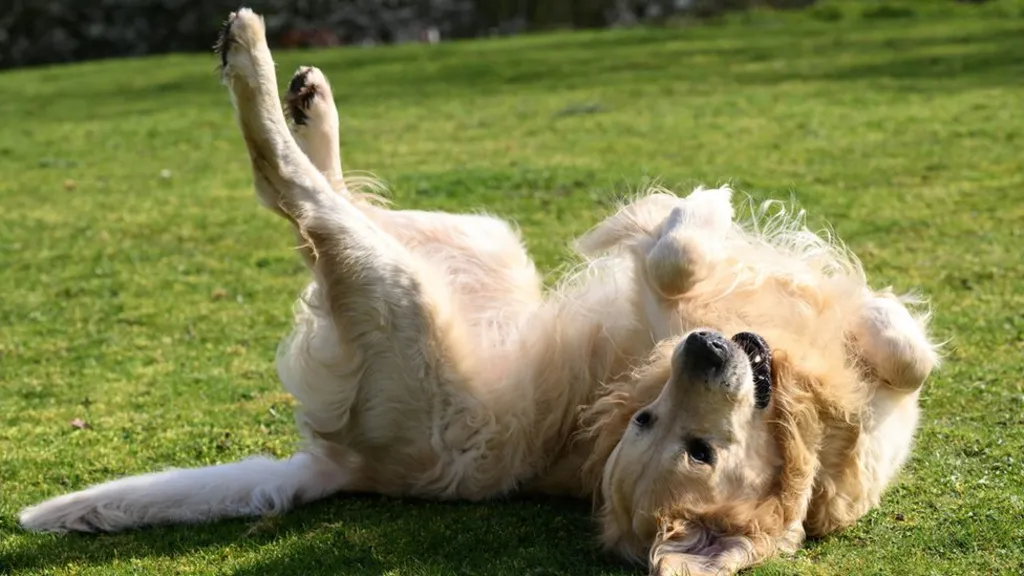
{"x": 716, "y": 472}
{"x": 730, "y": 443}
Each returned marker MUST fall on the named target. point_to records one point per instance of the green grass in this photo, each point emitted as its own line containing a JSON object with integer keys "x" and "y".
{"x": 150, "y": 307}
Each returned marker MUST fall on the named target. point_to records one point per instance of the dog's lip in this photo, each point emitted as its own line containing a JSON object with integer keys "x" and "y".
{"x": 760, "y": 356}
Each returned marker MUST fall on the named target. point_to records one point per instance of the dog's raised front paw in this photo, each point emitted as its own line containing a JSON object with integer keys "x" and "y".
{"x": 690, "y": 242}
{"x": 894, "y": 343}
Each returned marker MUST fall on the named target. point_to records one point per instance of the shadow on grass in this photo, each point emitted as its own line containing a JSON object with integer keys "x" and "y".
{"x": 362, "y": 534}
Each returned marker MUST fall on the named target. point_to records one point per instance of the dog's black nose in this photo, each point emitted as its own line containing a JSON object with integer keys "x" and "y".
{"x": 707, "y": 350}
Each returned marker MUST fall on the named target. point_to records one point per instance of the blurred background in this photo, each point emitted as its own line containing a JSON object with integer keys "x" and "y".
{"x": 35, "y": 32}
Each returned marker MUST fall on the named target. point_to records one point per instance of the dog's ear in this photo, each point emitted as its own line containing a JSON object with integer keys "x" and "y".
{"x": 691, "y": 548}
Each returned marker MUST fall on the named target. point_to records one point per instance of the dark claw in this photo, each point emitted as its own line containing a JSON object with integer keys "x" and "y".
{"x": 298, "y": 81}
{"x": 224, "y": 40}
{"x": 300, "y": 96}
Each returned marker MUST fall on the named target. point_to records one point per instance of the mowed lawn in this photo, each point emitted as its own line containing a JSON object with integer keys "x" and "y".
{"x": 143, "y": 291}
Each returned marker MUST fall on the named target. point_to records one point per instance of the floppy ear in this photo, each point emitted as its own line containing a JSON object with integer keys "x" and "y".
{"x": 735, "y": 535}
{"x": 687, "y": 548}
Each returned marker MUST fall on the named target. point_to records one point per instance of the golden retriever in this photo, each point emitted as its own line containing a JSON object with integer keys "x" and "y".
{"x": 720, "y": 389}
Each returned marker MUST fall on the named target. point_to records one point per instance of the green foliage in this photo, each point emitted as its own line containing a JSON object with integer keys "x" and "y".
{"x": 143, "y": 291}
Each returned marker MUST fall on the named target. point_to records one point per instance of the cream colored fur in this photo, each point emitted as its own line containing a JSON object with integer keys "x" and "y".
{"x": 427, "y": 361}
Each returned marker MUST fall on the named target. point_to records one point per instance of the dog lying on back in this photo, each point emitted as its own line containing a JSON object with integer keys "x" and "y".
{"x": 720, "y": 389}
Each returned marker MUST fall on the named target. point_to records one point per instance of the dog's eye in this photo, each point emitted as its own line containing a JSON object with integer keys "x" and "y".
{"x": 700, "y": 451}
{"x": 643, "y": 419}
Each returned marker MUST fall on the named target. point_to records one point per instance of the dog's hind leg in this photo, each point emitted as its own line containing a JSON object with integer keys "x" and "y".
{"x": 392, "y": 319}
{"x": 370, "y": 292}
{"x": 258, "y": 485}
{"x": 313, "y": 121}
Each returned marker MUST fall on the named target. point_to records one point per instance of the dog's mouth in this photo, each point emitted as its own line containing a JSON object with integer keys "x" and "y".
{"x": 760, "y": 356}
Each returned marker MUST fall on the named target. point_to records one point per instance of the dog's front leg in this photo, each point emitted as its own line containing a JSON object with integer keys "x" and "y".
{"x": 678, "y": 254}
{"x": 894, "y": 343}
{"x": 676, "y": 243}
{"x": 677, "y": 240}
{"x": 689, "y": 242}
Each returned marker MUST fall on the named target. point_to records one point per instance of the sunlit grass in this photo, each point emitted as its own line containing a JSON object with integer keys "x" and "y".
{"x": 143, "y": 290}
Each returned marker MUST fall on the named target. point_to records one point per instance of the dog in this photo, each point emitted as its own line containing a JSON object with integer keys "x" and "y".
{"x": 721, "y": 389}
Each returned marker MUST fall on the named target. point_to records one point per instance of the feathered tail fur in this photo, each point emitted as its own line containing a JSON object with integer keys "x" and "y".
{"x": 250, "y": 487}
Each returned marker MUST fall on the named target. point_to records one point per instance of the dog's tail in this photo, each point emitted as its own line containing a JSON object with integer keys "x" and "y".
{"x": 247, "y": 488}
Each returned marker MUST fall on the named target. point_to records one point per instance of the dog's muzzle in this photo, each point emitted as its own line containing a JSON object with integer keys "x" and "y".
{"x": 707, "y": 352}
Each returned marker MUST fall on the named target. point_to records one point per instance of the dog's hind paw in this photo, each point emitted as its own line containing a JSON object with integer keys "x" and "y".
{"x": 309, "y": 97}
{"x": 241, "y": 38}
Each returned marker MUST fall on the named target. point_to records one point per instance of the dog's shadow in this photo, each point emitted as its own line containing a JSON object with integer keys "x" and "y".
{"x": 357, "y": 535}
